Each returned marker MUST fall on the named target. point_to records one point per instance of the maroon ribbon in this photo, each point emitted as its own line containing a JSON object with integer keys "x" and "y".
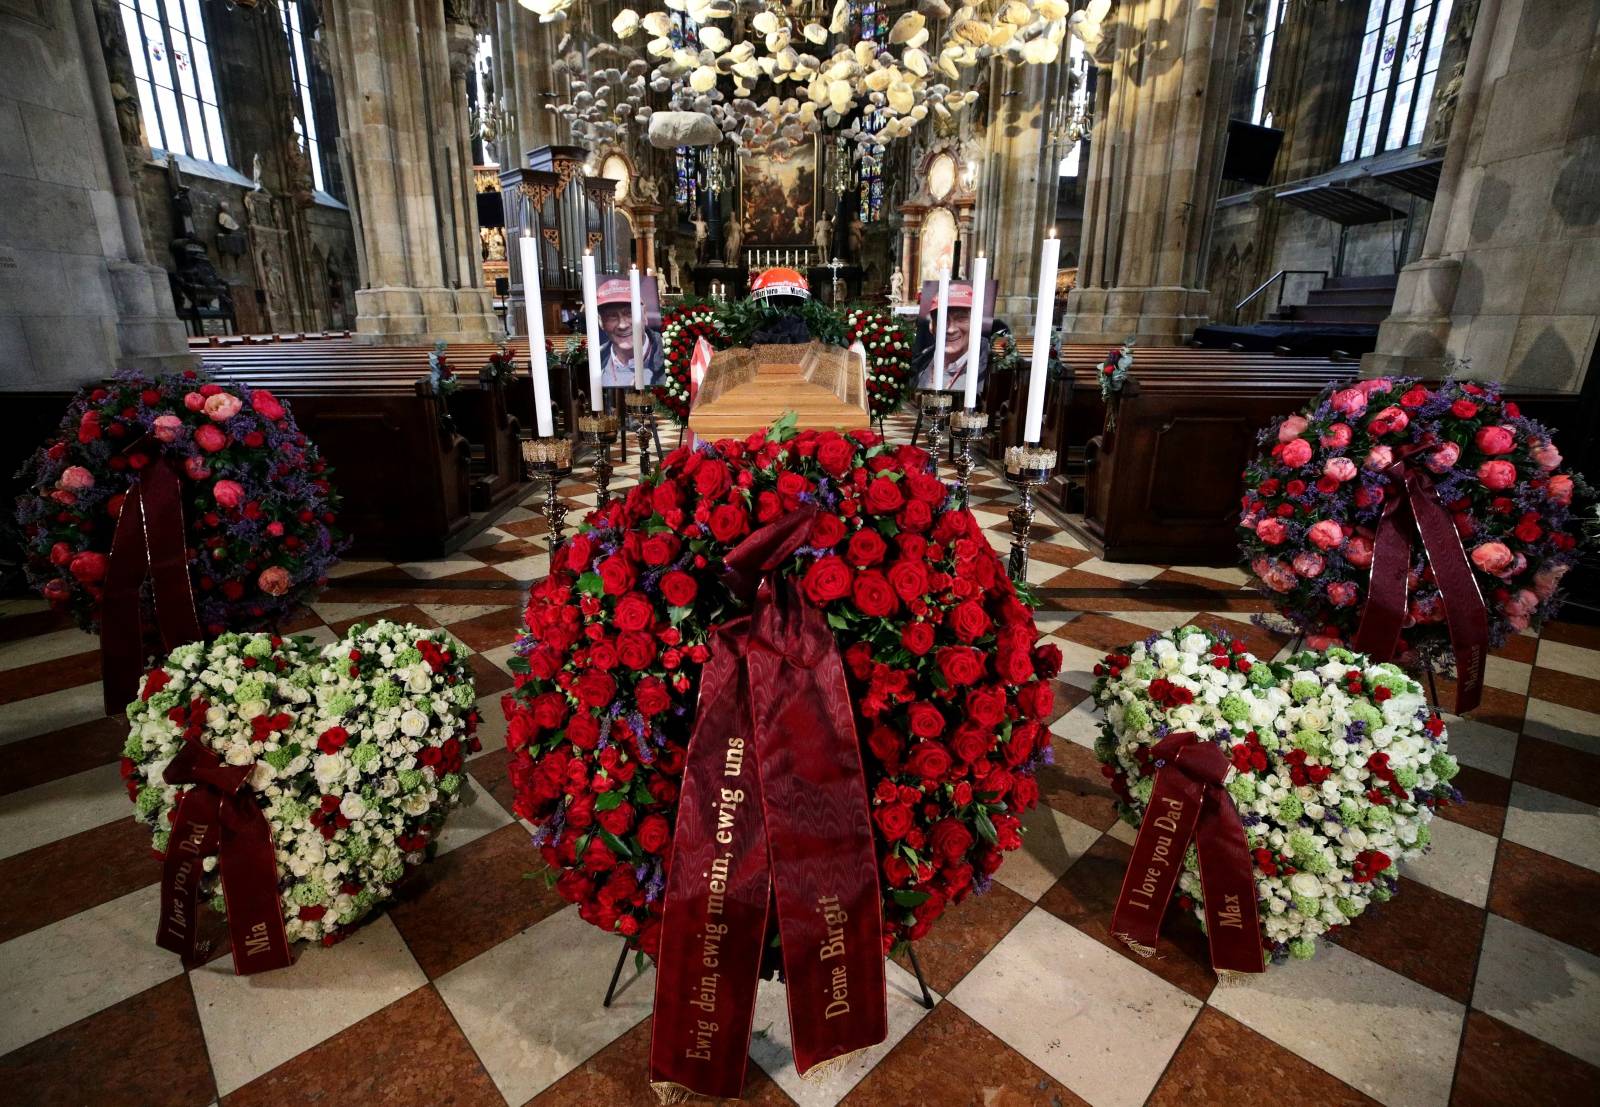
{"x": 149, "y": 542}
{"x": 773, "y": 810}
{"x": 219, "y": 816}
{"x": 1189, "y": 803}
{"x": 1412, "y": 507}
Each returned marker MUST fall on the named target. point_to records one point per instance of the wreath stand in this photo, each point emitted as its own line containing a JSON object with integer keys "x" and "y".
{"x": 911, "y": 951}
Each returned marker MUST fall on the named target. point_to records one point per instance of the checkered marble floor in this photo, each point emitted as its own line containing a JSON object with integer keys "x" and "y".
{"x": 1478, "y": 984}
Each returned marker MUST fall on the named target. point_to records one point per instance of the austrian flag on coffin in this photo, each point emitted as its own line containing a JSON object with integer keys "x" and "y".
{"x": 785, "y": 671}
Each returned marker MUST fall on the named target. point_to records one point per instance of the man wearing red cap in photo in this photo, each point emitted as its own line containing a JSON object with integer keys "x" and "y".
{"x": 617, "y": 338}
{"x": 957, "y": 341}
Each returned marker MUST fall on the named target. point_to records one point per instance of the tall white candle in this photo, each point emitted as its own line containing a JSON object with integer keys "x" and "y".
{"x": 591, "y": 333}
{"x": 636, "y": 312}
{"x": 939, "y": 318}
{"x": 976, "y": 350}
{"x": 533, "y": 302}
{"x": 1043, "y": 318}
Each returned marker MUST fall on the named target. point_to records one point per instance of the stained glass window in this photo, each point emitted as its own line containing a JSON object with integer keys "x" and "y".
{"x": 305, "y": 120}
{"x": 872, "y": 21}
{"x": 685, "y": 182}
{"x": 1395, "y": 74}
{"x": 172, "y": 72}
{"x": 869, "y": 173}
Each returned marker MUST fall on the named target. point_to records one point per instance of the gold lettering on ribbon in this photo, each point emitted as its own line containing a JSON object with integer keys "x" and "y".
{"x": 177, "y": 914}
{"x": 1160, "y": 856}
{"x": 257, "y": 941}
{"x": 837, "y": 987}
{"x": 1232, "y": 913}
{"x": 703, "y": 994}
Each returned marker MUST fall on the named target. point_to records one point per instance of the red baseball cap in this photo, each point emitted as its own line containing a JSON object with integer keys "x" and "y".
{"x": 613, "y": 290}
{"x": 960, "y": 296}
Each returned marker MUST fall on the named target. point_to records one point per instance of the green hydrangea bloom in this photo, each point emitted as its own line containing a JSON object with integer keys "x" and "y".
{"x": 1397, "y": 682}
{"x": 464, "y": 695}
{"x": 309, "y": 892}
{"x": 1135, "y": 717}
{"x": 1317, "y": 863}
{"x": 219, "y": 904}
{"x": 1339, "y": 653}
{"x": 1262, "y": 676}
{"x": 1303, "y": 949}
{"x": 410, "y": 779}
{"x": 1349, "y": 908}
{"x": 1290, "y": 809}
{"x": 1424, "y": 836}
{"x": 279, "y": 758}
{"x": 363, "y": 755}
{"x": 1360, "y": 711}
{"x": 1444, "y": 766}
{"x": 184, "y": 654}
{"x": 1105, "y": 748}
{"x": 1314, "y": 742}
{"x": 1381, "y": 894}
{"x": 358, "y": 847}
{"x": 1307, "y": 906}
{"x": 293, "y": 812}
{"x": 258, "y": 647}
{"x": 1242, "y": 788}
{"x": 304, "y": 676}
{"x": 148, "y": 801}
{"x": 1302, "y": 843}
{"x": 1145, "y": 670}
{"x": 133, "y": 748}
{"x": 1377, "y": 817}
{"x": 162, "y": 702}
{"x": 408, "y": 657}
{"x": 450, "y": 783}
{"x": 226, "y": 639}
{"x": 339, "y": 703}
{"x": 1406, "y": 776}
{"x": 160, "y": 839}
{"x": 393, "y": 873}
{"x": 1234, "y": 707}
{"x": 1141, "y": 789}
{"x": 1349, "y": 811}
{"x": 1304, "y": 688}
{"x": 386, "y": 693}
{"x": 253, "y": 689}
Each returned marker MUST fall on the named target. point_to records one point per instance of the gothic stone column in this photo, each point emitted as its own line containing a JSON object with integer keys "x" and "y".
{"x": 398, "y": 108}
{"x": 1155, "y": 165}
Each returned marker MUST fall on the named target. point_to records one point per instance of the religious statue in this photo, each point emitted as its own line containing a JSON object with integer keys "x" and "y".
{"x": 494, "y": 243}
{"x": 255, "y": 170}
{"x": 225, "y": 218}
{"x": 822, "y": 235}
{"x": 858, "y": 239}
{"x": 897, "y": 288}
{"x": 675, "y": 267}
{"x": 700, "y": 231}
{"x": 643, "y": 190}
{"x": 734, "y": 242}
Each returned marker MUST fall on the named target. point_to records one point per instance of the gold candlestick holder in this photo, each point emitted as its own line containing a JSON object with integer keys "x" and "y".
{"x": 641, "y": 421}
{"x": 936, "y": 410}
{"x": 964, "y": 427}
{"x": 1026, "y": 467}
{"x": 550, "y": 459}
{"x": 599, "y": 431}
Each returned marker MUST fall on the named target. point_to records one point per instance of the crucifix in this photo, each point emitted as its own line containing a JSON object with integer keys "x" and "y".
{"x": 835, "y": 265}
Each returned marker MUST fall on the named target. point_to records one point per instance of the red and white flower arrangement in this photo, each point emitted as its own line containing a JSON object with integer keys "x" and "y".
{"x": 950, "y": 687}
{"x": 355, "y": 754}
{"x": 1337, "y": 766}
{"x": 681, "y": 328}
{"x": 1313, "y": 501}
{"x": 887, "y": 340}
{"x": 259, "y": 509}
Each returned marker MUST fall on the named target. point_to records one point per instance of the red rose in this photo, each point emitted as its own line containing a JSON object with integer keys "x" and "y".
{"x": 1464, "y": 409}
{"x": 597, "y": 858}
{"x": 595, "y": 688}
{"x": 583, "y": 731}
{"x": 88, "y": 567}
{"x": 633, "y": 612}
{"x": 827, "y": 579}
{"x": 658, "y": 550}
{"x": 886, "y": 744}
{"x": 210, "y": 438}
{"x": 866, "y": 547}
{"x": 971, "y": 742}
{"x": 929, "y": 760}
{"x": 872, "y": 594}
{"x": 616, "y": 575}
{"x": 835, "y": 454}
{"x": 917, "y": 637}
{"x": 968, "y": 621}
{"x": 635, "y": 649}
{"x": 651, "y": 696}
{"x": 1024, "y": 793}
{"x": 915, "y": 516}
{"x": 333, "y": 739}
{"x": 960, "y": 665}
{"x": 986, "y": 705}
{"x": 654, "y": 833}
{"x": 884, "y": 496}
{"x": 1529, "y": 530}
{"x": 1036, "y": 699}
{"x": 711, "y": 479}
{"x": 909, "y": 579}
{"x": 1047, "y": 657}
{"x": 728, "y": 522}
{"x": 679, "y": 588}
{"x": 894, "y": 820}
{"x": 926, "y": 487}
{"x": 826, "y": 532}
{"x": 950, "y": 840}
{"x": 926, "y": 722}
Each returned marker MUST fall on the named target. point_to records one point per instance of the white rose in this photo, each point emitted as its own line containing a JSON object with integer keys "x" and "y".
{"x": 1304, "y": 884}
{"x": 261, "y": 775}
{"x": 1354, "y": 837}
{"x": 420, "y": 679}
{"x": 414, "y": 804}
{"x": 239, "y": 753}
{"x": 329, "y": 768}
{"x": 414, "y": 723}
{"x": 352, "y": 806}
{"x": 250, "y": 709}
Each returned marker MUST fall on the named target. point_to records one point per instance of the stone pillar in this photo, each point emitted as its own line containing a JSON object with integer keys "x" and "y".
{"x": 1155, "y": 164}
{"x": 643, "y": 218}
{"x": 910, "y": 220}
{"x": 1509, "y": 277}
{"x": 410, "y": 188}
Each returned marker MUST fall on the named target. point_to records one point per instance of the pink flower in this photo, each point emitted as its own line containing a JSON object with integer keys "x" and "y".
{"x": 1491, "y": 557}
{"x": 1443, "y": 459}
{"x": 168, "y": 427}
{"x": 275, "y": 529}
{"x": 1524, "y": 602}
{"x": 1337, "y": 436}
{"x": 1548, "y": 579}
{"x": 274, "y": 580}
{"x": 193, "y": 401}
{"x": 222, "y": 406}
{"x": 228, "y": 493}
{"x": 1325, "y": 534}
{"x": 1292, "y": 428}
{"x": 266, "y": 405}
{"x": 209, "y": 438}
{"x": 1349, "y": 401}
{"x": 1358, "y": 551}
{"x": 1545, "y": 455}
{"x": 63, "y": 497}
{"x": 1496, "y": 440}
{"x": 1296, "y": 453}
{"x": 75, "y": 478}
{"x": 1497, "y": 475}
{"x": 1376, "y": 384}
{"x": 1379, "y": 457}
{"x": 1517, "y": 622}
{"x": 1426, "y": 609}
{"x": 1340, "y": 469}
{"x": 1309, "y": 564}
{"x": 195, "y": 468}
{"x": 88, "y": 567}
{"x": 1342, "y": 593}
{"x": 1271, "y": 531}
{"x": 1274, "y": 574}
{"x": 1391, "y": 420}
{"x": 1558, "y": 488}
{"x": 1322, "y": 641}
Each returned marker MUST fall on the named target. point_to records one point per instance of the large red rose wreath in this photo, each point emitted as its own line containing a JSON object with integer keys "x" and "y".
{"x": 950, "y": 690}
{"x": 680, "y": 329}
{"x": 258, "y": 508}
{"x": 887, "y": 340}
{"x": 1313, "y": 502}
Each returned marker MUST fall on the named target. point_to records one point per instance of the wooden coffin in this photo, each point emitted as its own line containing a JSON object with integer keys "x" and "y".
{"x": 747, "y": 390}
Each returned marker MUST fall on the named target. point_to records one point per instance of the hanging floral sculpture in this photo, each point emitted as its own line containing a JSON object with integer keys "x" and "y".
{"x": 887, "y": 340}
{"x": 1327, "y": 766}
{"x": 1381, "y": 513}
{"x": 329, "y": 770}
